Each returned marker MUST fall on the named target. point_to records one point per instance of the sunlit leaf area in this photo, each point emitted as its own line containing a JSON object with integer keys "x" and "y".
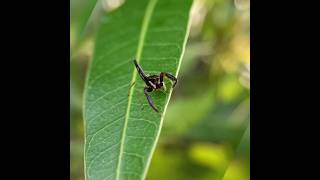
{"x": 206, "y": 128}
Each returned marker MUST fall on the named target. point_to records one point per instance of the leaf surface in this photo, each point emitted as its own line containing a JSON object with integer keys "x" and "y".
{"x": 121, "y": 129}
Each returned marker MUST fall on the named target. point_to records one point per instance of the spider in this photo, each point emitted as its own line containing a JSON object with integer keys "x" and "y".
{"x": 154, "y": 82}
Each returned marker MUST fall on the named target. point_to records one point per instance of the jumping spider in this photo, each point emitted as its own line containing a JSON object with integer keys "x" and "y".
{"x": 154, "y": 82}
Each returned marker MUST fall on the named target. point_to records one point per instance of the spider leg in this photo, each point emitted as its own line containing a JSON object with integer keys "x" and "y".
{"x": 143, "y": 75}
{"x": 169, "y": 76}
{"x": 146, "y": 93}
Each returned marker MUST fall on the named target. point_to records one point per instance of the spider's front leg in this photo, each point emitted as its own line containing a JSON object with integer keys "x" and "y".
{"x": 169, "y": 76}
{"x": 141, "y": 73}
{"x": 146, "y": 93}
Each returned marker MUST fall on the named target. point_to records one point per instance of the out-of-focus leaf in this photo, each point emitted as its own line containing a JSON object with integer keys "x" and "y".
{"x": 237, "y": 171}
{"x": 226, "y": 123}
{"x": 176, "y": 164}
{"x": 81, "y": 11}
{"x": 193, "y": 52}
{"x": 184, "y": 113}
{"x": 76, "y": 160}
{"x": 239, "y": 165}
{"x": 121, "y": 129}
{"x": 211, "y": 155}
{"x": 230, "y": 89}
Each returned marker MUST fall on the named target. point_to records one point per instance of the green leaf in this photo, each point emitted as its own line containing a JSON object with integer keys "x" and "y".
{"x": 121, "y": 129}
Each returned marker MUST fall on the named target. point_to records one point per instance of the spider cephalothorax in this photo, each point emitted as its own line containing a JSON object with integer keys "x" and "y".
{"x": 153, "y": 82}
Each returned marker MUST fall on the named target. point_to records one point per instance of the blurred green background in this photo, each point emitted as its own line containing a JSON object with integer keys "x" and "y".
{"x": 206, "y": 130}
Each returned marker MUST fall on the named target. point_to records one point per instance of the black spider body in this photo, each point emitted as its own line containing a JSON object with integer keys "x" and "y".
{"x": 154, "y": 82}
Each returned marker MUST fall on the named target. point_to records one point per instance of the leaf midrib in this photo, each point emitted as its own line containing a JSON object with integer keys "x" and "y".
{"x": 145, "y": 23}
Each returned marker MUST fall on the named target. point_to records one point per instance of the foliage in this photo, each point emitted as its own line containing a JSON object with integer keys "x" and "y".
{"x": 120, "y": 136}
{"x": 206, "y": 130}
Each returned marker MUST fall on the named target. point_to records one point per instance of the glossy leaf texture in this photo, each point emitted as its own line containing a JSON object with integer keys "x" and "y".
{"x": 121, "y": 129}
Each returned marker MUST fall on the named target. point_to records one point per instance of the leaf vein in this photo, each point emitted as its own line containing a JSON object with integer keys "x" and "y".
{"x": 106, "y": 94}
{"x": 146, "y": 21}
